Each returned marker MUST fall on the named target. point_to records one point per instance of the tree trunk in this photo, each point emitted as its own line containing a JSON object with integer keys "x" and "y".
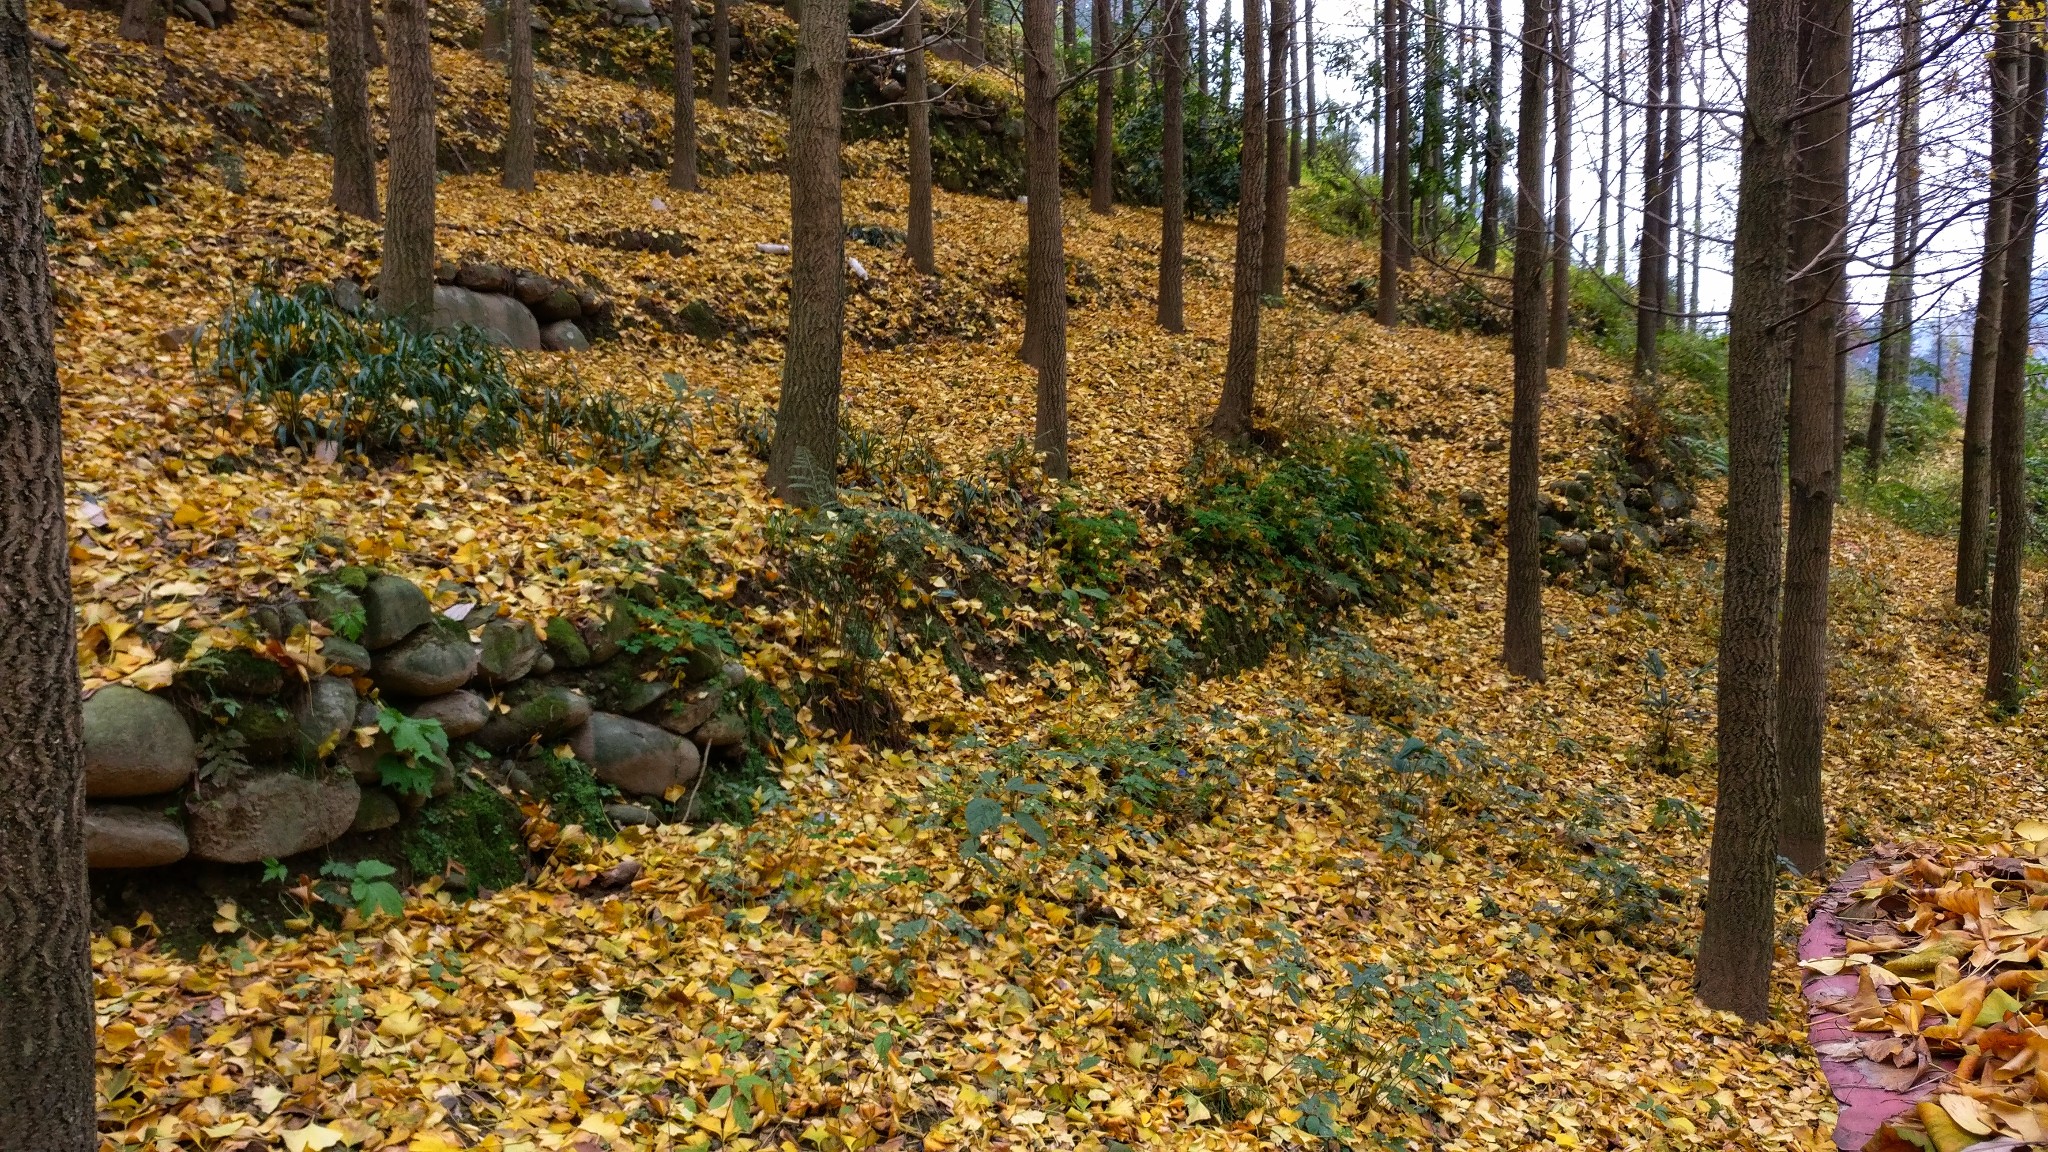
{"x": 1673, "y": 278}
{"x": 1172, "y": 199}
{"x": 1895, "y": 339}
{"x": 1560, "y": 212}
{"x": 977, "y": 36}
{"x": 1431, "y": 167}
{"x": 1389, "y": 301}
{"x": 1404, "y": 132}
{"x": 519, "y": 68}
{"x": 1068, "y": 34}
{"x": 1293, "y": 113}
{"x": 805, "y": 452}
{"x": 1733, "y": 969}
{"x": 1308, "y": 69}
{"x": 1046, "y": 261}
{"x": 1232, "y": 422}
{"x": 1973, "y": 540}
{"x": 1820, "y": 214}
{"x": 1654, "y": 233}
{"x": 1522, "y": 640}
{"x": 1202, "y": 47}
{"x": 721, "y": 53}
{"x": 920, "y": 240}
{"x": 144, "y": 20}
{"x": 355, "y": 152}
{"x": 1273, "y": 236}
{"x": 1496, "y": 146}
{"x": 682, "y": 172}
{"x": 1127, "y": 72}
{"x": 1101, "y": 193}
{"x": 407, "y": 278}
{"x": 46, "y": 1008}
{"x": 1606, "y": 133}
{"x": 2008, "y": 403}
{"x": 492, "y": 43}
{"x": 1697, "y": 245}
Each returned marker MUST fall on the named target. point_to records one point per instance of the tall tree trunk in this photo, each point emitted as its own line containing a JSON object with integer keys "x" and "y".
{"x": 977, "y": 34}
{"x": 721, "y": 53}
{"x": 1404, "y": 141}
{"x": 1431, "y": 168}
{"x": 493, "y": 42}
{"x": 1606, "y": 134}
{"x": 1699, "y": 168}
{"x": 920, "y": 240}
{"x": 1389, "y": 301}
{"x": 1127, "y": 72}
{"x": 1223, "y": 43}
{"x": 1895, "y": 339}
{"x": 1308, "y": 70}
{"x": 1273, "y": 260}
{"x": 1172, "y": 198}
{"x": 1232, "y": 422}
{"x": 518, "y": 173}
{"x": 1101, "y": 192}
{"x": 1202, "y": 47}
{"x": 355, "y": 152}
{"x": 406, "y": 284}
{"x": 46, "y": 975}
{"x": 1046, "y": 262}
{"x": 1973, "y": 540}
{"x": 682, "y": 172}
{"x": 1496, "y": 146}
{"x": 144, "y": 20}
{"x": 804, "y": 454}
{"x": 1522, "y": 634}
{"x": 1733, "y": 968}
{"x": 1293, "y": 115}
{"x": 1653, "y": 234}
{"x": 1668, "y": 171}
{"x": 1820, "y": 215}
{"x": 1068, "y": 34}
{"x": 1559, "y": 342}
{"x": 2009, "y": 405}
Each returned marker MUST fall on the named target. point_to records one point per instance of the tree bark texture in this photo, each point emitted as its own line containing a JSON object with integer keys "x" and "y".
{"x": 355, "y": 151}
{"x": 805, "y": 451}
{"x": 977, "y": 36}
{"x": 407, "y": 279}
{"x": 1654, "y": 234}
{"x": 1973, "y": 543}
{"x": 1496, "y": 145}
{"x": 1522, "y": 635}
{"x": 1046, "y": 260}
{"x": 1606, "y": 133}
{"x": 1733, "y": 968}
{"x": 1101, "y": 192}
{"x": 682, "y": 172}
{"x": 1293, "y": 110}
{"x": 1308, "y": 76}
{"x": 721, "y": 53}
{"x": 1559, "y": 342}
{"x": 1069, "y": 35}
{"x": 2008, "y": 400}
{"x": 519, "y": 69}
{"x": 1172, "y": 193}
{"x": 1389, "y": 301}
{"x": 1232, "y": 422}
{"x": 1273, "y": 256}
{"x": 1820, "y": 213}
{"x": 1895, "y": 339}
{"x": 920, "y": 241}
{"x": 46, "y": 993}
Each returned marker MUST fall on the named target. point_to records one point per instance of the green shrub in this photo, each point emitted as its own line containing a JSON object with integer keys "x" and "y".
{"x": 1094, "y": 549}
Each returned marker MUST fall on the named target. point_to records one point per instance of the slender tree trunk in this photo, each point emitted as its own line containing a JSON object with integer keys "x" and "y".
{"x": 1232, "y": 422}
{"x": 804, "y": 454}
{"x": 920, "y": 241}
{"x": 1068, "y": 34}
{"x": 1652, "y": 235}
{"x": 1101, "y": 193}
{"x": 1606, "y": 134}
{"x": 1202, "y": 47}
{"x": 1431, "y": 168}
{"x": 1522, "y": 639}
{"x": 355, "y": 153}
{"x": 1973, "y": 541}
{"x": 1046, "y": 262}
{"x": 1820, "y": 214}
{"x": 1293, "y": 114}
{"x": 1561, "y": 44}
{"x": 1389, "y": 301}
{"x": 407, "y": 280}
{"x": 518, "y": 173}
{"x": 721, "y": 53}
{"x": 1496, "y": 146}
{"x": 1733, "y": 969}
{"x": 1668, "y": 171}
{"x": 2009, "y": 405}
{"x": 977, "y": 34}
{"x": 1273, "y": 261}
{"x": 1308, "y": 52}
{"x": 1895, "y": 340}
{"x": 1172, "y": 198}
{"x": 682, "y": 172}
{"x": 1623, "y": 157}
{"x": 1127, "y": 72}
{"x": 46, "y": 975}
{"x": 492, "y": 44}
{"x": 1697, "y": 246}
{"x": 1404, "y": 140}
{"x": 144, "y": 20}
{"x": 1223, "y": 70}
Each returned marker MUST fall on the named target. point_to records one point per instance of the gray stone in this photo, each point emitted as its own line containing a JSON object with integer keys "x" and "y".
{"x": 540, "y": 711}
{"x": 347, "y": 295}
{"x": 393, "y": 607}
{"x": 235, "y": 671}
{"x": 702, "y": 665}
{"x": 334, "y": 605}
{"x": 279, "y": 621}
{"x": 480, "y": 277}
{"x": 267, "y": 728}
{"x": 499, "y": 317}
{"x": 543, "y": 664}
{"x": 345, "y": 656}
{"x": 635, "y": 758}
{"x": 734, "y": 672}
{"x": 375, "y": 812}
{"x": 560, "y": 304}
{"x": 122, "y": 836}
{"x": 564, "y": 336}
{"x": 633, "y": 7}
{"x": 630, "y": 815}
{"x": 725, "y": 730}
{"x": 508, "y": 653}
{"x": 460, "y": 713}
{"x": 636, "y": 695}
{"x": 1572, "y": 544}
{"x": 429, "y": 662}
{"x": 689, "y": 709}
{"x": 265, "y": 812}
{"x": 325, "y": 715}
{"x": 531, "y": 290}
{"x": 566, "y": 644}
{"x": 136, "y": 744}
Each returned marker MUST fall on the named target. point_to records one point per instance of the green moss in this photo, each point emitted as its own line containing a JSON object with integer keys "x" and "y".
{"x": 573, "y": 794}
{"x": 475, "y": 828}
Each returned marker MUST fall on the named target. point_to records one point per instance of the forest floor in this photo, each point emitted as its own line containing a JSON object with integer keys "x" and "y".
{"x": 839, "y": 974}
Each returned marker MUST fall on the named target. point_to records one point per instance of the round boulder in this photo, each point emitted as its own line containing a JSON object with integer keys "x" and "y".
{"x": 689, "y": 709}
{"x": 564, "y": 336}
{"x": 635, "y": 758}
{"x": 122, "y": 836}
{"x": 509, "y": 650}
{"x": 429, "y": 662}
{"x": 393, "y": 607}
{"x": 260, "y": 813}
{"x": 325, "y": 715}
{"x": 460, "y": 713}
{"x": 136, "y": 744}
{"x": 540, "y": 711}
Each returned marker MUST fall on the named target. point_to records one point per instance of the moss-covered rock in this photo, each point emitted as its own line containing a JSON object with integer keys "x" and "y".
{"x": 474, "y": 828}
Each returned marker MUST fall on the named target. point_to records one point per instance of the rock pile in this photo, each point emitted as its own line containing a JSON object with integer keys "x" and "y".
{"x": 521, "y": 310}
{"x": 252, "y": 753}
{"x": 1593, "y": 526}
